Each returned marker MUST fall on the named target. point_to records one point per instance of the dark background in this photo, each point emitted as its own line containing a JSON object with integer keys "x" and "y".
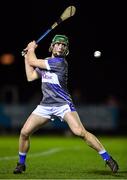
{"x": 97, "y": 25}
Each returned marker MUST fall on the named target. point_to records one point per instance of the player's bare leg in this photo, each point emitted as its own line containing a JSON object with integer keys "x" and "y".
{"x": 33, "y": 123}
{"x": 78, "y": 129}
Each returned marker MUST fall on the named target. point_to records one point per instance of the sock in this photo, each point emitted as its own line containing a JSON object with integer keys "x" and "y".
{"x": 104, "y": 155}
{"x": 22, "y": 158}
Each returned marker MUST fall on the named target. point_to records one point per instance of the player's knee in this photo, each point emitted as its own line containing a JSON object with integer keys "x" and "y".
{"x": 86, "y": 135}
{"x": 78, "y": 131}
{"x": 24, "y": 134}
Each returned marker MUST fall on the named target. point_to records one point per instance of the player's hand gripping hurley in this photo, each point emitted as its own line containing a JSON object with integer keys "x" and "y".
{"x": 68, "y": 12}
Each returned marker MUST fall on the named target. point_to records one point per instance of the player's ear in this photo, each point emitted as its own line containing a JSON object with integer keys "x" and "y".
{"x": 67, "y": 51}
{"x": 51, "y": 48}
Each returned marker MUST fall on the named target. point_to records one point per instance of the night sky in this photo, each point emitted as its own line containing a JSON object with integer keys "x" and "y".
{"x": 97, "y": 25}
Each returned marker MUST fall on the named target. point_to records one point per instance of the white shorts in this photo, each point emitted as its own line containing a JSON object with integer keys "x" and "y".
{"x": 48, "y": 112}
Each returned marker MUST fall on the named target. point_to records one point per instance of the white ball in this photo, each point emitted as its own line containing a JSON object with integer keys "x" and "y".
{"x": 97, "y": 54}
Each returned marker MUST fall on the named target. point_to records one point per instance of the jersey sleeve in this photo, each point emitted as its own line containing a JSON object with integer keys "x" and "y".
{"x": 55, "y": 64}
{"x": 38, "y": 70}
{"x": 52, "y": 64}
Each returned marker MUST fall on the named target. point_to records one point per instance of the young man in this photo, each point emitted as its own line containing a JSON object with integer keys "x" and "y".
{"x": 57, "y": 101}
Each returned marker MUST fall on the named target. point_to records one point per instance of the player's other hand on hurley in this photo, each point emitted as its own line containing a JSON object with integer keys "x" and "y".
{"x": 31, "y": 46}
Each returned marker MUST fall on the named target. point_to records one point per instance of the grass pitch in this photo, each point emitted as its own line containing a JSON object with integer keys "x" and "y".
{"x": 52, "y": 157}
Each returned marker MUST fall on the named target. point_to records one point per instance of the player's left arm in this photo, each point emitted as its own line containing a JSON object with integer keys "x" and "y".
{"x": 32, "y": 59}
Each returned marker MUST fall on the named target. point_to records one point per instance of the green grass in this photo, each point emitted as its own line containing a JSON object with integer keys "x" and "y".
{"x": 62, "y": 158}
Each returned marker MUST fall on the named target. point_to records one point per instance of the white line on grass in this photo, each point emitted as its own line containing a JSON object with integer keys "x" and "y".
{"x": 44, "y": 153}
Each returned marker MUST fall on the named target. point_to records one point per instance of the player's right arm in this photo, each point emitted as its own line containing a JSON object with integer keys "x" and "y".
{"x": 31, "y": 62}
{"x": 31, "y": 73}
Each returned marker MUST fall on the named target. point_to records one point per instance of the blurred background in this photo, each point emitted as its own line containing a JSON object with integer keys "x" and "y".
{"x": 98, "y": 85}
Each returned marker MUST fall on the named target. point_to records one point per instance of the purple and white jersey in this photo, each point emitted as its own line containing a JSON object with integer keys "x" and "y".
{"x": 54, "y": 83}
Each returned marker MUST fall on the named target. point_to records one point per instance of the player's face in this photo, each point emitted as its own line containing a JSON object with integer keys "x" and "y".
{"x": 59, "y": 49}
